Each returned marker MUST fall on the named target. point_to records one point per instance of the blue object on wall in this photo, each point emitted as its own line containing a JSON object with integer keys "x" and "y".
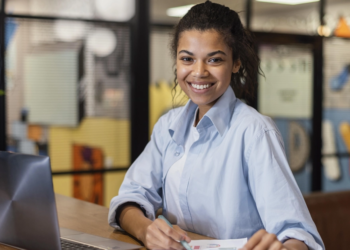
{"x": 338, "y": 116}
{"x": 11, "y": 27}
{"x": 338, "y": 82}
{"x": 302, "y": 177}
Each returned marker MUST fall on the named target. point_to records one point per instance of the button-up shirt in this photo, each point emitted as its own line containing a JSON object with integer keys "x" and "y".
{"x": 236, "y": 179}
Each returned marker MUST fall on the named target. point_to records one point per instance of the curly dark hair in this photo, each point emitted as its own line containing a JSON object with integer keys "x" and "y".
{"x": 208, "y": 15}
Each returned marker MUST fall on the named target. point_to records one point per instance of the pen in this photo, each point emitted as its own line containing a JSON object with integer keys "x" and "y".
{"x": 183, "y": 242}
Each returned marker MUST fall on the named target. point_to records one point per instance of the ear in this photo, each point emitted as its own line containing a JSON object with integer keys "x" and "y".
{"x": 236, "y": 66}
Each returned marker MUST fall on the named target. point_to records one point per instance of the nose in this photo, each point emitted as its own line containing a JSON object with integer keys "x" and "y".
{"x": 200, "y": 70}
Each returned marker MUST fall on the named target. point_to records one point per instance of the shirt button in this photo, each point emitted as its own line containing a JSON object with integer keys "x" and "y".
{"x": 177, "y": 154}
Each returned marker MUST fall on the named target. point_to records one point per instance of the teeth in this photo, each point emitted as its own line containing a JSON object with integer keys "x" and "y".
{"x": 196, "y": 86}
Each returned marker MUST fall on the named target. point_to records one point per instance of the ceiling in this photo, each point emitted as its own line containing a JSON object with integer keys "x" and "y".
{"x": 159, "y": 7}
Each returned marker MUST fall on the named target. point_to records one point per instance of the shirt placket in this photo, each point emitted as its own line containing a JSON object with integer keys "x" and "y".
{"x": 185, "y": 178}
{"x": 178, "y": 153}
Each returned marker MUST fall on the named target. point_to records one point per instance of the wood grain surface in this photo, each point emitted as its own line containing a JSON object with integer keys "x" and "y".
{"x": 90, "y": 218}
{"x": 330, "y": 212}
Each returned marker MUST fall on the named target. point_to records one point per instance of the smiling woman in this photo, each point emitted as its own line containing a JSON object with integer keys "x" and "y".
{"x": 216, "y": 166}
{"x": 229, "y": 33}
{"x": 204, "y": 67}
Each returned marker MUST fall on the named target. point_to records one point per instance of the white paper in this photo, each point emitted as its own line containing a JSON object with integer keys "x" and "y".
{"x": 217, "y": 244}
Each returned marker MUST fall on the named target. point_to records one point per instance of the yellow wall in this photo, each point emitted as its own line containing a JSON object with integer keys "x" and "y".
{"x": 112, "y": 136}
{"x": 161, "y": 100}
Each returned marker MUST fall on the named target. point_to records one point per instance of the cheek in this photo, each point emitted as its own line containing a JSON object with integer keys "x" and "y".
{"x": 228, "y": 77}
{"x": 181, "y": 74}
{"x": 224, "y": 75}
{"x": 182, "y": 71}
{"x": 183, "y": 85}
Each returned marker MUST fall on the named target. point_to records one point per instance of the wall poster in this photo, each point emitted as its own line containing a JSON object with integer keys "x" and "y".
{"x": 286, "y": 89}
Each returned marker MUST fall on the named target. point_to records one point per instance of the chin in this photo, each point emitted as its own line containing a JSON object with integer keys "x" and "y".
{"x": 200, "y": 102}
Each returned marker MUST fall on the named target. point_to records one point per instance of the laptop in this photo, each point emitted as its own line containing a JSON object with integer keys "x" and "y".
{"x": 28, "y": 215}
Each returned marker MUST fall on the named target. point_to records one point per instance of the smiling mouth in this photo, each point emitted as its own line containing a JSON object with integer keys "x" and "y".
{"x": 201, "y": 86}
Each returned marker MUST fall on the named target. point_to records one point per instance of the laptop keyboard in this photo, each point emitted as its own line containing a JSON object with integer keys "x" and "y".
{"x": 65, "y": 244}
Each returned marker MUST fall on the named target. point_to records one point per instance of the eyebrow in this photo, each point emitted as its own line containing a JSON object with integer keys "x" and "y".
{"x": 217, "y": 52}
{"x": 210, "y": 54}
{"x": 186, "y": 51}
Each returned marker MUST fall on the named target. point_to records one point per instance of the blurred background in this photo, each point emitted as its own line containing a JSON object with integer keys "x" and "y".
{"x": 84, "y": 81}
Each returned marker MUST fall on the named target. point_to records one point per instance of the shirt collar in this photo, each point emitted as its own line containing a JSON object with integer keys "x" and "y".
{"x": 219, "y": 115}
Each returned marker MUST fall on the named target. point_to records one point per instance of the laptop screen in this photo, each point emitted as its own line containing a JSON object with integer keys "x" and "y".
{"x": 28, "y": 216}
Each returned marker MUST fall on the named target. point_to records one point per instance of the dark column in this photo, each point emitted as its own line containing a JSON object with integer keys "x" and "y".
{"x": 316, "y": 138}
{"x": 2, "y": 79}
{"x": 322, "y": 12}
{"x": 248, "y": 13}
{"x": 140, "y": 29}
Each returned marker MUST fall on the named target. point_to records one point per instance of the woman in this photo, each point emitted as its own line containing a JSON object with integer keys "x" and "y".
{"x": 216, "y": 166}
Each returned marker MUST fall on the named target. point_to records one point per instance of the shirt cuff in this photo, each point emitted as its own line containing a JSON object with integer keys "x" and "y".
{"x": 299, "y": 234}
{"x": 117, "y": 201}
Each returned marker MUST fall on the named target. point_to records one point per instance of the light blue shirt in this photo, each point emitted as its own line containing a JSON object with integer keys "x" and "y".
{"x": 236, "y": 179}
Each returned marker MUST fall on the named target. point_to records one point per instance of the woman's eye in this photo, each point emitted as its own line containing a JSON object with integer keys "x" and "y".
{"x": 186, "y": 59}
{"x": 215, "y": 60}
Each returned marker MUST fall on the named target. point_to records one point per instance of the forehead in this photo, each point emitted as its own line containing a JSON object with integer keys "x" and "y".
{"x": 195, "y": 40}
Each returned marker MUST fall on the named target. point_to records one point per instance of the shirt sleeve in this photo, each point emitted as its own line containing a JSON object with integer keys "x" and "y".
{"x": 143, "y": 181}
{"x": 280, "y": 204}
{"x": 299, "y": 234}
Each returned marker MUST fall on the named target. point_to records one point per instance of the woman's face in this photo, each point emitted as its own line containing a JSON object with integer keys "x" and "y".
{"x": 204, "y": 66}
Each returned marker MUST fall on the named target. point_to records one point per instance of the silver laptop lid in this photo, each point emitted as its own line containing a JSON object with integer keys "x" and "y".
{"x": 28, "y": 216}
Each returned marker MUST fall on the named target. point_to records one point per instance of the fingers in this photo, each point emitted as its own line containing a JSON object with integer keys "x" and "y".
{"x": 158, "y": 240}
{"x": 262, "y": 240}
{"x": 183, "y": 233}
{"x": 160, "y": 235}
{"x": 277, "y": 245}
{"x": 152, "y": 242}
{"x": 254, "y": 240}
{"x": 173, "y": 233}
{"x": 266, "y": 241}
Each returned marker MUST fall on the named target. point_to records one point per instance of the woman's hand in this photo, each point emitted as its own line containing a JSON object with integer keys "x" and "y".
{"x": 263, "y": 240}
{"x": 154, "y": 234}
{"x": 159, "y": 235}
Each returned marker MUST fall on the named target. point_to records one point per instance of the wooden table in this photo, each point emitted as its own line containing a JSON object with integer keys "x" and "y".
{"x": 90, "y": 218}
